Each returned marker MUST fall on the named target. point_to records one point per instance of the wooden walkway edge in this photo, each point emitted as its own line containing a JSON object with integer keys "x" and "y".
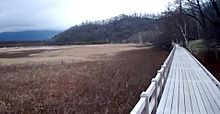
{"x": 182, "y": 86}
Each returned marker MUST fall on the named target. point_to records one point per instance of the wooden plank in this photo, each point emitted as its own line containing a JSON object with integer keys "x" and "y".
{"x": 208, "y": 93}
{"x": 200, "y": 88}
{"x": 194, "y": 93}
{"x": 168, "y": 105}
{"x": 214, "y": 90}
{"x": 217, "y": 83}
{"x": 203, "y": 93}
{"x": 175, "y": 101}
{"x": 181, "y": 95}
{"x": 201, "y": 104}
{"x": 204, "y": 98}
{"x": 187, "y": 93}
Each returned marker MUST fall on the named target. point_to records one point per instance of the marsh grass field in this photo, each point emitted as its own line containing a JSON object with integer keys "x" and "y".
{"x": 81, "y": 79}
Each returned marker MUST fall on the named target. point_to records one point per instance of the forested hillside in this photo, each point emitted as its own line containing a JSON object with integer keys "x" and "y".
{"x": 122, "y": 28}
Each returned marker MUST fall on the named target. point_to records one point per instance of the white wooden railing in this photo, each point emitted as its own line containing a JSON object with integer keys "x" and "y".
{"x": 149, "y": 99}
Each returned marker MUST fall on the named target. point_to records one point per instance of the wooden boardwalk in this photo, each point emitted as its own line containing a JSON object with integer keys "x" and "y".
{"x": 189, "y": 89}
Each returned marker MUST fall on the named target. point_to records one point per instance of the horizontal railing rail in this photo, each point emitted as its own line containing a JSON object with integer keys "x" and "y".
{"x": 149, "y": 99}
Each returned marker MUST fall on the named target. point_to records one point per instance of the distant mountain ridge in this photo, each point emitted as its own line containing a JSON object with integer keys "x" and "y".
{"x": 122, "y": 28}
{"x": 33, "y": 35}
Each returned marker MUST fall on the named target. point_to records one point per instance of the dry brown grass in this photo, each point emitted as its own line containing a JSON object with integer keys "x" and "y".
{"x": 53, "y": 54}
{"x": 109, "y": 85}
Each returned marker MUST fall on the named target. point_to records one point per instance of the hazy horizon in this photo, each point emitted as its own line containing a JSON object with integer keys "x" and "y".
{"x": 26, "y": 15}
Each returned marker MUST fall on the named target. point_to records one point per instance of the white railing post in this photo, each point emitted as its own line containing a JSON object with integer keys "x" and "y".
{"x": 145, "y": 95}
{"x": 159, "y": 82}
{"x": 164, "y": 76}
{"x": 155, "y": 91}
{"x": 164, "y": 72}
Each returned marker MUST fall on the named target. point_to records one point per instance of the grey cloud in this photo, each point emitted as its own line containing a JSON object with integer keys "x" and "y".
{"x": 61, "y": 14}
{"x": 27, "y": 14}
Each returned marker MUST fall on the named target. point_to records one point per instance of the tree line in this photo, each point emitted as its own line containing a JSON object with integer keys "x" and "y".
{"x": 187, "y": 20}
{"x": 184, "y": 20}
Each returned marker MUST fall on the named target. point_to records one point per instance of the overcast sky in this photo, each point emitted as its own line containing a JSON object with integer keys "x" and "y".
{"x": 18, "y": 15}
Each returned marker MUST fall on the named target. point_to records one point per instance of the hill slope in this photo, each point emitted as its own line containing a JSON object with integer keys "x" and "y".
{"x": 118, "y": 29}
